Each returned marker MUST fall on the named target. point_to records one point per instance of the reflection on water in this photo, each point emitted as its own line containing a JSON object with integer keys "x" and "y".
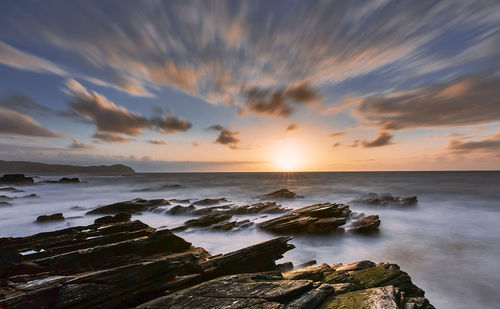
{"x": 449, "y": 242}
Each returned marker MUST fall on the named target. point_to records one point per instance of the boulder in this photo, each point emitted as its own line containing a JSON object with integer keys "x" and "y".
{"x": 47, "y": 218}
{"x": 280, "y": 195}
{"x": 69, "y": 180}
{"x": 4, "y": 198}
{"x": 19, "y": 179}
{"x": 5, "y": 204}
{"x": 319, "y": 218}
{"x": 181, "y": 210}
{"x": 133, "y": 206}
{"x": 366, "y": 224}
{"x": 118, "y": 218}
{"x": 387, "y": 199}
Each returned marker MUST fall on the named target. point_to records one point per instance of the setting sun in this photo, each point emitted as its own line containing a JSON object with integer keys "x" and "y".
{"x": 287, "y": 157}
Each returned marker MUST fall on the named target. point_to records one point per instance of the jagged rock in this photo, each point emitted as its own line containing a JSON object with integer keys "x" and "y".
{"x": 319, "y": 218}
{"x": 280, "y": 195}
{"x": 236, "y": 291}
{"x": 233, "y": 224}
{"x": 47, "y": 218}
{"x": 69, "y": 180}
{"x": 210, "y": 201}
{"x": 186, "y": 201}
{"x": 11, "y": 189}
{"x": 19, "y": 179}
{"x": 118, "y": 218}
{"x": 366, "y": 224}
{"x": 131, "y": 207}
{"x": 314, "y": 272}
{"x": 208, "y": 220}
{"x": 312, "y": 298}
{"x": 181, "y": 210}
{"x": 355, "y": 266}
{"x": 387, "y": 199}
{"x": 264, "y": 207}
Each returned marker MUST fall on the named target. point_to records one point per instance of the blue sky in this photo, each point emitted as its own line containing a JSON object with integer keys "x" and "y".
{"x": 410, "y": 85}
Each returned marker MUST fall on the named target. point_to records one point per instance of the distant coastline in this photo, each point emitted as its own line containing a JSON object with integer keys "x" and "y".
{"x": 43, "y": 168}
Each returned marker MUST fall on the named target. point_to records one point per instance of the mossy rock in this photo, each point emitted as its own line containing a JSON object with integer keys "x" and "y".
{"x": 380, "y": 276}
{"x": 384, "y": 297}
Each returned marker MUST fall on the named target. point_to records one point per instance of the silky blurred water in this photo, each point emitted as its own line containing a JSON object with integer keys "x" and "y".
{"x": 449, "y": 243}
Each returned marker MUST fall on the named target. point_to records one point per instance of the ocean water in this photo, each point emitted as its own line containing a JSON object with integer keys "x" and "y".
{"x": 449, "y": 242}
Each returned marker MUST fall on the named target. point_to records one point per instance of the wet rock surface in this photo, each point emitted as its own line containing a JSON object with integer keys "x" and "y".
{"x": 367, "y": 224}
{"x": 280, "y": 195}
{"x": 18, "y": 179}
{"x": 319, "y": 218}
{"x": 129, "y": 264}
{"x": 49, "y": 218}
{"x": 133, "y": 206}
{"x": 387, "y": 199}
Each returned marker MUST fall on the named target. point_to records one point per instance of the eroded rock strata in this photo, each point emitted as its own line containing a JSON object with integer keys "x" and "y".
{"x": 113, "y": 264}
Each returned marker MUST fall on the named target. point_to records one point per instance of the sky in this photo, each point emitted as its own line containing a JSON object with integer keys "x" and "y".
{"x": 261, "y": 85}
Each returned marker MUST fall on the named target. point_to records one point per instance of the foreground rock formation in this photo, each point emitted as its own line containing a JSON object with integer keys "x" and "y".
{"x": 17, "y": 179}
{"x": 387, "y": 199}
{"x": 129, "y": 264}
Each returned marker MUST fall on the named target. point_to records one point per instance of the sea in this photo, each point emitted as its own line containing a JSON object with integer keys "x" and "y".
{"x": 449, "y": 242}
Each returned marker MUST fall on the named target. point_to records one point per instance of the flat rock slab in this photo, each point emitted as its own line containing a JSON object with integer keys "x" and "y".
{"x": 133, "y": 206}
{"x": 376, "y": 298}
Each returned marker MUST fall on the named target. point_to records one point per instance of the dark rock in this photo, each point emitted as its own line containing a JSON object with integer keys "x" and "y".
{"x": 366, "y": 224}
{"x": 131, "y": 207}
{"x": 33, "y": 195}
{"x": 387, "y": 199}
{"x": 2, "y": 204}
{"x": 69, "y": 180}
{"x": 226, "y": 226}
{"x": 48, "y": 218}
{"x": 6, "y": 198}
{"x": 208, "y": 220}
{"x": 16, "y": 179}
{"x": 180, "y": 201}
{"x": 11, "y": 189}
{"x": 280, "y": 194}
{"x": 319, "y": 218}
{"x": 181, "y": 210}
{"x": 210, "y": 201}
{"x": 163, "y": 187}
{"x": 78, "y": 208}
{"x": 118, "y": 218}
{"x": 284, "y": 267}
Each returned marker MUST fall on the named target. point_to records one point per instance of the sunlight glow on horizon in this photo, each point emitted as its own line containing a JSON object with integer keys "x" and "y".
{"x": 288, "y": 157}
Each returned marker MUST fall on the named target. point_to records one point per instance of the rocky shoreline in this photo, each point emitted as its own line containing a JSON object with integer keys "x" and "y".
{"x": 129, "y": 264}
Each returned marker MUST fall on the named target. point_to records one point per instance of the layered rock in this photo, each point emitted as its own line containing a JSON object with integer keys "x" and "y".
{"x": 319, "y": 218}
{"x": 133, "y": 206}
{"x": 387, "y": 199}
{"x": 280, "y": 195}
{"x": 48, "y": 218}
{"x": 366, "y": 224}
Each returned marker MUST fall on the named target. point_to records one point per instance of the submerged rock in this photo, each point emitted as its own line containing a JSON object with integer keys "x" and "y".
{"x": 181, "y": 210}
{"x": 280, "y": 195}
{"x": 210, "y": 201}
{"x": 3, "y": 203}
{"x": 69, "y": 180}
{"x": 47, "y": 218}
{"x": 208, "y": 220}
{"x": 4, "y": 198}
{"x": 130, "y": 207}
{"x": 16, "y": 179}
{"x": 11, "y": 189}
{"x": 387, "y": 199}
{"x": 319, "y": 218}
{"x": 366, "y": 224}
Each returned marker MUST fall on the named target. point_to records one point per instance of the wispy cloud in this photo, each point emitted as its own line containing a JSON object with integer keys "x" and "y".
{"x": 382, "y": 139}
{"x": 489, "y": 145}
{"x": 292, "y": 127}
{"x": 76, "y": 144}
{"x": 15, "y": 58}
{"x": 16, "y": 123}
{"x": 156, "y": 142}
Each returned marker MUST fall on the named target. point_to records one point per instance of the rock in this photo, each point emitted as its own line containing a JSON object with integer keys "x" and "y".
{"x": 236, "y": 291}
{"x": 319, "y": 218}
{"x": 210, "y": 201}
{"x": 30, "y": 196}
{"x": 264, "y": 207}
{"x": 226, "y": 226}
{"x": 207, "y": 220}
{"x": 163, "y": 187}
{"x": 314, "y": 272}
{"x": 186, "y": 201}
{"x": 284, "y": 267}
{"x": 4, "y": 198}
{"x": 5, "y": 204}
{"x": 11, "y": 189}
{"x": 387, "y": 199}
{"x": 308, "y": 263}
{"x": 356, "y": 266}
{"x": 19, "y": 179}
{"x": 312, "y": 298}
{"x": 118, "y": 218}
{"x": 181, "y": 210}
{"x": 376, "y": 298}
{"x": 280, "y": 194}
{"x": 69, "y": 180}
{"x": 366, "y": 224}
{"x": 130, "y": 207}
{"x": 48, "y": 218}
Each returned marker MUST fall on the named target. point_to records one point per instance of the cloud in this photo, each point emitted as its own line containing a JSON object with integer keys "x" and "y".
{"x": 155, "y": 142}
{"x": 103, "y": 137}
{"x": 23, "y": 104}
{"x": 195, "y": 144}
{"x": 278, "y": 103}
{"x": 489, "y": 145}
{"x": 462, "y": 102}
{"x": 228, "y": 137}
{"x": 337, "y": 144}
{"x": 76, "y": 144}
{"x": 292, "y": 127}
{"x": 15, "y": 58}
{"x": 114, "y": 120}
{"x": 354, "y": 144}
{"x": 335, "y": 134}
{"x": 216, "y": 127}
{"x": 16, "y": 123}
{"x": 382, "y": 139}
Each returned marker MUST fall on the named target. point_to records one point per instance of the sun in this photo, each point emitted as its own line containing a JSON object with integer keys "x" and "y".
{"x": 287, "y": 157}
